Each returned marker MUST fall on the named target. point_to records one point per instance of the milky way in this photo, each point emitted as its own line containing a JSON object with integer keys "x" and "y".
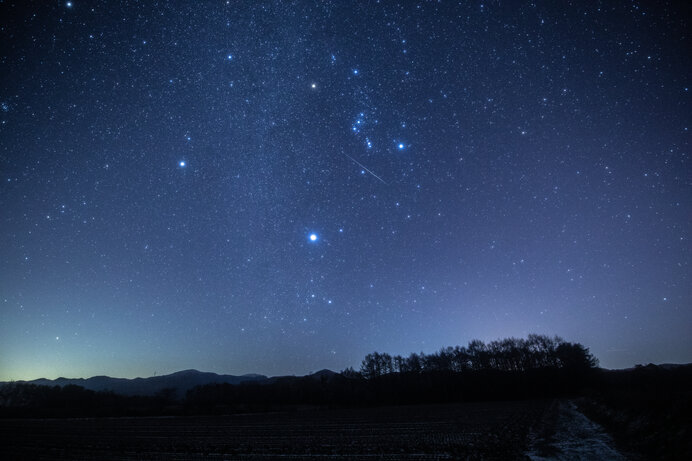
{"x": 280, "y": 187}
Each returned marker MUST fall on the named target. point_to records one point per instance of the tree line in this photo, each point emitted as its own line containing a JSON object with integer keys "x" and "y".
{"x": 510, "y": 354}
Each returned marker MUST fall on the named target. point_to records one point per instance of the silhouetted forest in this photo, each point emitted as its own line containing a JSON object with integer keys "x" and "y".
{"x": 511, "y": 354}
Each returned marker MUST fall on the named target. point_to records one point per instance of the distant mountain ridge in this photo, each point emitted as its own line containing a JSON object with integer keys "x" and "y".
{"x": 181, "y": 381}
{"x": 663, "y": 366}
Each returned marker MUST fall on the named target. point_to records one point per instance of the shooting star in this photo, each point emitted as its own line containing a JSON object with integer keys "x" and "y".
{"x": 365, "y": 168}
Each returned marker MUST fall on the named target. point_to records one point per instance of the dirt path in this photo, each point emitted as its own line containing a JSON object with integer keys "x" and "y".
{"x": 572, "y": 436}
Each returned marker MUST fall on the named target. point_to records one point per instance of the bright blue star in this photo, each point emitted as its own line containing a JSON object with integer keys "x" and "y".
{"x": 313, "y": 237}
{"x": 401, "y": 146}
{"x": 68, "y": 4}
{"x": 182, "y": 164}
{"x": 355, "y": 71}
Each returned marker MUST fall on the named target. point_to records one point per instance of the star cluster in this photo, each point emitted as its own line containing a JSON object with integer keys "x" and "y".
{"x": 280, "y": 187}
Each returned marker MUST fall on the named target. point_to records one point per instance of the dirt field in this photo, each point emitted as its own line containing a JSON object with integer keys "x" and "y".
{"x": 458, "y": 431}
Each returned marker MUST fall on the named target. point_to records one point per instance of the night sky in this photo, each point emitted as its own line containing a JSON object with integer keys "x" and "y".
{"x": 281, "y": 187}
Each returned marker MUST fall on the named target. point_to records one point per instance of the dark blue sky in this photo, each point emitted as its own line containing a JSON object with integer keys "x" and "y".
{"x": 468, "y": 170}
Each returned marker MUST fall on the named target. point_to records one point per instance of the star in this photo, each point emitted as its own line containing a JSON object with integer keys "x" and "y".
{"x": 182, "y": 164}
{"x": 68, "y": 4}
{"x": 313, "y": 237}
{"x": 401, "y": 146}
{"x": 313, "y": 86}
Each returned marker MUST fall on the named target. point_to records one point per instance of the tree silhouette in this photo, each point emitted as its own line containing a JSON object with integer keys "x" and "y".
{"x": 509, "y": 354}
{"x": 376, "y": 364}
{"x": 574, "y": 356}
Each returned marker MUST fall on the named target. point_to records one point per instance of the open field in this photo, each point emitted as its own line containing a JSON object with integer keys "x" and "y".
{"x": 495, "y": 430}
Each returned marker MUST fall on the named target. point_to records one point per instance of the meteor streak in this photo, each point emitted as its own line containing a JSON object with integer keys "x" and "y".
{"x": 365, "y": 168}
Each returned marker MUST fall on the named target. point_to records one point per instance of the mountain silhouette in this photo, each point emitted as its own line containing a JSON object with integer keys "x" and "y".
{"x": 181, "y": 381}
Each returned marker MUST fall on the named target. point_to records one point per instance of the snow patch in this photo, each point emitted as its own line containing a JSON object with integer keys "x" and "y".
{"x": 575, "y": 437}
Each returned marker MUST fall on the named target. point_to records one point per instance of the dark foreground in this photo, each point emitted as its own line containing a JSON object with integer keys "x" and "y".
{"x": 488, "y": 430}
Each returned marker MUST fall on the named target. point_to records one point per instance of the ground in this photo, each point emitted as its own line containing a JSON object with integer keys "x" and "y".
{"x": 489, "y": 430}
